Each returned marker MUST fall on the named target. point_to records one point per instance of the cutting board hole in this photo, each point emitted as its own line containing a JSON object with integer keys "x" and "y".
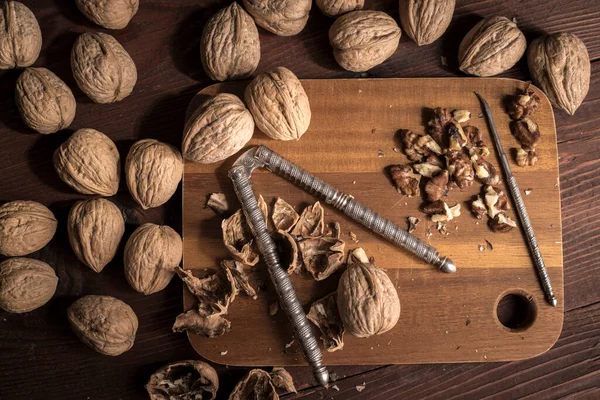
{"x": 516, "y": 311}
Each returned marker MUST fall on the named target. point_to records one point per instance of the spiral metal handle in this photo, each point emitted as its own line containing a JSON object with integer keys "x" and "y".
{"x": 283, "y": 285}
{"x": 352, "y": 208}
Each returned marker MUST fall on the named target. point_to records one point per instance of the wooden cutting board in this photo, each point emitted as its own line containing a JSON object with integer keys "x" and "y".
{"x": 445, "y": 318}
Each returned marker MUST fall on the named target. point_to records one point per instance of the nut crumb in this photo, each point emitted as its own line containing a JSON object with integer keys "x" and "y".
{"x": 333, "y": 377}
{"x": 353, "y": 237}
{"x": 468, "y": 322}
{"x": 273, "y": 308}
{"x": 354, "y": 182}
{"x": 360, "y": 388}
{"x": 481, "y": 248}
{"x": 412, "y": 224}
{"x": 480, "y": 115}
{"x": 288, "y": 345}
{"x": 395, "y": 150}
{"x": 528, "y": 192}
{"x": 514, "y": 20}
{"x": 444, "y": 61}
{"x": 373, "y": 131}
{"x": 336, "y": 388}
{"x": 224, "y": 352}
{"x": 489, "y": 245}
{"x": 379, "y": 153}
{"x": 359, "y": 91}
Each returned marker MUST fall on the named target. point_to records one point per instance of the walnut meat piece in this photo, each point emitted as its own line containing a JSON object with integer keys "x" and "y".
{"x": 89, "y": 162}
{"x": 418, "y": 146}
{"x": 362, "y": 40}
{"x": 335, "y": 8}
{"x": 279, "y": 104}
{"x": 284, "y": 216}
{"x": 20, "y": 36}
{"x": 427, "y": 169}
{"x": 493, "y": 46}
{"x": 526, "y": 158}
{"x": 502, "y": 223}
{"x": 25, "y": 284}
{"x": 440, "y": 211}
{"x": 111, "y": 14}
{"x": 496, "y": 201}
{"x": 311, "y": 222}
{"x": 437, "y": 187}
{"x": 436, "y": 126}
{"x": 95, "y": 229}
{"x": 325, "y": 315}
{"x": 45, "y": 102}
{"x": 321, "y": 256}
{"x": 260, "y": 385}
{"x": 405, "y": 180}
{"x": 281, "y": 17}
{"x": 461, "y": 116}
{"x": 218, "y": 203}
{"x": 25, "y": 227}
{"x": 484, "y": 170}
{"x": 151, "y": 255}
{"x": 102, "y": 68}
{"x": 238, "y": 239}
{"x": 460, "y": 168}
{"x": 425, "y": 21}
{"x": 526, "y": 131}
{"x": 153, "y": 171}
{"x": 217, "y": 129}
{"x": 230, "y": 48}
{"x": 456, "y": 136}
{"x": 478, "y": 207}
{"x": 524, "y": 104}
{"x": 367, "y": 300}
{"x": 104, "y": 323}
{"x": 188, "y": 379}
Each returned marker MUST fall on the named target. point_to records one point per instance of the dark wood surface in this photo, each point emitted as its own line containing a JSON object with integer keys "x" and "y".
{"x": 42, "y": 359}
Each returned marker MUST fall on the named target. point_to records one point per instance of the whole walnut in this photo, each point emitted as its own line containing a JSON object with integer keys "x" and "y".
{"x": 560, "y": 65}
{"x": 279, "y": 104}
{"x": 335, "y": 8}
{"x": 25, "y": 227}
{"x": 151, "y": 255}
{"x": 425, "y": 21}
{"x": 104, "y": 323}
{"x": 493, "y": 46}
{"x": 281, "y": 17}
{"x": 25, "y": 284}
{"x": 45, "y": 102}
{"x": 111, "y": 14}
{"x": 95, "y": 229}
{"x": 217, "y": 129}
{"x": 153, "y": 171}
{"x": 362, "y": 40}
{"x": 89, "y": 162}
{"x": 230, "y": 48}
{"x": 102, "y": 68}
{"x": 20, "y": 36}
{"x": 367, "y": 300}
{"x": 188, "y": 379}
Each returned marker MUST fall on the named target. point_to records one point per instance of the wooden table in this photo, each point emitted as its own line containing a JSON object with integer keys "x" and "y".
{"x": 42, "y": 359}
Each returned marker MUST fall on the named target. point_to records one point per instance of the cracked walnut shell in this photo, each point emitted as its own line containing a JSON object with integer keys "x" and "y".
{"x": 238, "y": 239}
{"x": 104, "y": 323}
{"x": 20, "y": 36}
{"x": 230, "y": 48}
{"x": 281, "y": 17}
{"x": 151, "y": 255}
{"x": 185, "y": 380}
{"x": 102, "y": 68}
{"x": 325, "y": 315}
{"x": 89, "y": 162}
{"x": 25, "y": 284}
{"x": 321, "y": 256}
{"x": 362, "y": 40}
{"x": 335, "y": 8}
{"x": 153, "y": 171}
{"x": 25, "y": 227}
{"x": 261, "y": 385}
{"x": 45, "y": 102}
{"x": 111, "y": 14}
{"x": 425, "y": 21}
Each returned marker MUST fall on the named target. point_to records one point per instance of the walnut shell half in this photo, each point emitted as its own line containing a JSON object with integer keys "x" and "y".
{"x": 89, "y": 162}
{"x": 261, "y": 385}
{"x": 102, "y": 68}
{"x": 188, "y": 379}
{"x": 335, "y": 8}
{"x": 45, "y": 102}
{"x": 425, "y": 21}
{"x": 111, "y": 14}
{"x": 25, "y": 284}
{"x": 25, "y": 227}
{"x": 325, "y": 315}
{"x": 20, "y": 36}
{"x": 281, "y": 17}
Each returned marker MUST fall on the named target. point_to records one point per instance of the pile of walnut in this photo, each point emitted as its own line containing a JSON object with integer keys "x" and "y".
{"x": 521, "y": 108}
{"x": 450, "y": 155}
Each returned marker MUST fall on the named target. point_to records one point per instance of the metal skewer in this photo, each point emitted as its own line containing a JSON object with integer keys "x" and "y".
{"x": 511, "y": 182}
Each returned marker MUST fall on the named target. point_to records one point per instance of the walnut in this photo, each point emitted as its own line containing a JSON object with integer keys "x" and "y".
{"x": 284, "y": 216}
{"x": 440, "y": 211}
{"x": 321, "y": 256}
{"x": 153, "y": 171}
{"x": 279, "y": 104}
{"x": 311, "y": 222}
{"x": 456, "y": 136}
{"x": 526, "y": 132}
{"x": 151, "y": 255}
{"x": 437, "y": 187}
{"x": 230, "y": 48}
{"x": 325, "y": 315}
{"x": 261, "y": 385}
{"x": 25, "y": 227}
{"x": 425, "y": 21}
{"x": 526, "y": 158}
{"x": 281, "y": 17}
{"x": 288, "y": 250}
{"x": 436, "y": 126}
{"x": 335, "y": 8}
{"x": 427, "y": 169}
{"x": 418, "y": 146}
{"x": 239, "y": 240}
{"x": 104, "y": 323}
{"x": 188, "y": 379}
{"x": 362, "y": 40}
{"x": 218, "y": 203}
{"x": 25, "y": 284}
{"x": 461, "y": 116}
{"x": 216, "y": 130}
{"x": 560, "y": 65}
{"x": 102, "y": 68}
{"x": 89, "y": 162}
{"x": 524, "y": 104}
{"x": 493, "y": 46}
{"x": 95, "y": 228}
{"x": 478, "y": 207}
{"x": 20, "y": 36}
{"x": 484, "y": 170}
{"x": 405, "y": 180}
{"x": 502, "y": 223}
{"x": 111, "y": 14}
{"x": 45, "y": 102}
{"x": 367, "y": 300}
{"x": 496, "y": 201}
{"x": 460, "y": 168}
